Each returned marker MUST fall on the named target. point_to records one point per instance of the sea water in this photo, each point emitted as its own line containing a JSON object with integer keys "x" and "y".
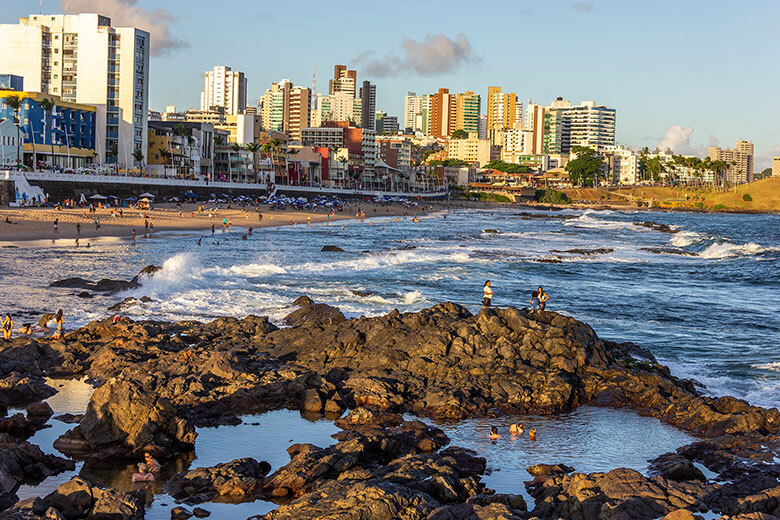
{"x": 711, "y": 314}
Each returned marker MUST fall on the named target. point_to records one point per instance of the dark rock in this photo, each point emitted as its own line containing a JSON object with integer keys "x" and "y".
{"x": 655, "y": 226}
{"x": 315, "y": 314}
{"x": 491, "y": 231}
{"x": 70, "y": 418}
{"x": 84, "y": 294}
{"x": 668, "y": 251}
{"x": 39, "y": 410}
{"x": 18, "y": 426}
{"x": 129, "y": 302}
{"x": 547, "y": 470}
{"x": 22, "y": 389}
{"x": 331, "y": 249}
{"x": 239, "y": 478}
{"x": 584, "y": 252}
{"x": 303, "y": 301}
{"x": 180, "y": 513}
{"x": 675, "y": 467}
{"x": 200, "y": 513}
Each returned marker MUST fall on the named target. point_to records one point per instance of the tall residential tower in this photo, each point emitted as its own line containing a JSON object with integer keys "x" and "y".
{"x": 224, "y": 88}
{"x": 83, "y": 59}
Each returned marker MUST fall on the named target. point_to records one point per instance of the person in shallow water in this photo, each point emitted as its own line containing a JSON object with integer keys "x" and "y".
{"x": 494, "y": 433}
{"x": 147, "y": 470}
{"x": 542, "y": 298}
{"x": 8, "y": 326}
{"x": 487, "y": 297}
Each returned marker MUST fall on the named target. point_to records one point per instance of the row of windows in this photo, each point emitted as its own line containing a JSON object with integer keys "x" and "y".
{"x": 9, "y": 141}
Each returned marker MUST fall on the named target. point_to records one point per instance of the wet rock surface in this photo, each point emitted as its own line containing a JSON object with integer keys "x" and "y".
{"x": 106, "y": 285}
{"x": 158, "y": 381}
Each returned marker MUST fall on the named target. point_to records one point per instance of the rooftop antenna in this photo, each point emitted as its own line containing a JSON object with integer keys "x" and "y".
{"x": 314, "y": 86}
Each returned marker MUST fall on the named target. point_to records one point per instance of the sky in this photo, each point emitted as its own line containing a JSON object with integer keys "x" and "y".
{"x": 684, "y": 74}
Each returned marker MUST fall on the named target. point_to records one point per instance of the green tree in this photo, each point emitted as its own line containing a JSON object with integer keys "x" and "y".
{"x": 459, "y": 134}
{"x": 255, "y": 149}
{"x": 448, "y": 163}
{"x": 236, "y": 148}
{"x": 138, "y": 156}
{"x": 584, "y": 169}
{"x": 14, "y": 102}
{"x": 508, "y": 167}
{"x": 113, "y": 152}
{"x": 47, "y": 105}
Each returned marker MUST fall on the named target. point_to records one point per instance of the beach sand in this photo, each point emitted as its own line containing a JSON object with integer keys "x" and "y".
{"x": 33, "y": 224}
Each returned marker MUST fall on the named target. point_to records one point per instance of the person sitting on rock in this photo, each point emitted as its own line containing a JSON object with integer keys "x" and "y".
{"x": 59, "y": 321}
{"x": 534, "y": 301}
{"x": 494, "y": 433}
{"x": 26, "y": 329}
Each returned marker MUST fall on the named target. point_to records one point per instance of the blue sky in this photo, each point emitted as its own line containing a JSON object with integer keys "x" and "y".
{"x": 687, "y": 73}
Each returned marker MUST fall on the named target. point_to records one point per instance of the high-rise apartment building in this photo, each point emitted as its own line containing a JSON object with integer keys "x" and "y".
{"x": 533, "y": 122}
{"x": 739, "y": 161}
{"x": 368, "y": 105}
{"x": 83, "y": 59}
{"x": 443, "y": 111}
{"x": 412, "y": 113}
{"x": 225, "y": 88}
{"x": 344, "y": 80}
{"x": 341, "y": 106}
{"x": 586, "y": 124}
{"x": 286, "y": 108}
{"x": 467, "y": 112}
{"x": 504, "y": 112}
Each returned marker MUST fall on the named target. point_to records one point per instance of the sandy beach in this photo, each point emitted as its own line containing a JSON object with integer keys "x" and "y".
{"x": 32, "y": 224}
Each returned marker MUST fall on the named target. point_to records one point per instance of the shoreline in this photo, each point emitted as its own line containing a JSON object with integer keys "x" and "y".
{"x": 30, "y": 225}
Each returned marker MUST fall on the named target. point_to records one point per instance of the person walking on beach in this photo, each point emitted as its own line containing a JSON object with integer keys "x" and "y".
{"x": 78, "y": 229}
{"x": 487, "y": 295}
{"x": 542, "y": 298}
{"x": 133, "y": 235}
{"x": 57, "y": 225}
{"x": 8, "y": 326}
{"x": 212, "y": 230}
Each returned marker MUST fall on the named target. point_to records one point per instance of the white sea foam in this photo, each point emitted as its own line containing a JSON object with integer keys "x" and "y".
{"x": 382, "y": 261}
{"x": 412, "y": 297}
{"x": 720, "y": 250}
{"x": 253, "y": 270}
{"x": 586, "y": 220}
{"x": 774, "y": 367}
{"x": 687, "y": 238}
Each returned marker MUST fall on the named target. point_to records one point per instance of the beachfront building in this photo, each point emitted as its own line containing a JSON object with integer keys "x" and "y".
{"x": 64, "y": 137}
{"x": 83, "y": 59}
{"x": 395, "y": 152}
{"x": 338, "y": 107}
{"x": 354, "y": 148}
{"x": 622, "y": 165}
{"x": 224, "y": 88}
{"x": 11, "y": 82}
{"x": 739, "y": 161}
{"x": 587, "y": 124}
{"x": 286, "y": 108}
{"x": 180, "y": 149}
{"x": 8, "y": 144}
{"x": 504, "y": 112}
{"x": 533, "y": 122}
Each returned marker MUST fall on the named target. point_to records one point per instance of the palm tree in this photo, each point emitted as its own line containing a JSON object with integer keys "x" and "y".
{"x": 138, "y": 155}
{"x": 254, "y": 148}
{"x": 275, "y": 145}
{"x": 183, "y": 131}
{"x": 47, "y": 105}
{"x": 113, "y": 151}
{"x": 14, "y": 102}
{"x": 267, "y": 149}
{"x": 219, "y": 140}
{"x": 295, "y": 151}
{"x": 190, "y": 144}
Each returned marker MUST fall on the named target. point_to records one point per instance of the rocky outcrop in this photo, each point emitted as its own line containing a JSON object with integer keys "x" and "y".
{"x": 236, "y": 479}
{"x": 22, "y": 462}
{"x": 77, "y": 499}
{"x": 106, "y": 285}
{"x": 17, "y": 388}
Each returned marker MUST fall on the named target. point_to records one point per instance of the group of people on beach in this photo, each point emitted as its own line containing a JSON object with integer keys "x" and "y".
{"x": 537, "y": 302}
{"x": 27, "y": 329}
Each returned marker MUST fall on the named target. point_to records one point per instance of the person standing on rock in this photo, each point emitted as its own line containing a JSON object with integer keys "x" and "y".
{"x": 487, "y": 296}
{"x": 60, "y": 321}
{"x": 8, "y": 326}
{"x": 542, "y": 298}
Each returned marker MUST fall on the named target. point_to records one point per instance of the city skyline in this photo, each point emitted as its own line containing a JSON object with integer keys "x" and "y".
{"x": 668, "y": 78}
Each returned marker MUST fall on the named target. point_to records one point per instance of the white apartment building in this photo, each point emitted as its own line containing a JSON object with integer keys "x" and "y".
{"x": 622, "y": 165}
{"x": 83, "y": 59}
{"x": 775, "y": 166}
{"x": 587, "y": 124}
{"x": 516, "y": 143}
{"x": 412, "y": 113}
{"x": 341, "y": 106}
{"x": 225, "y": 88}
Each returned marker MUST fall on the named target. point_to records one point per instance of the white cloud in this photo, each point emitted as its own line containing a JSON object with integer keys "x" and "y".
{"x": 677, "y": 138}
{"x": 435, "y": 55}
{"x": 584, "y": 6}
{"x": 124, "y": 13}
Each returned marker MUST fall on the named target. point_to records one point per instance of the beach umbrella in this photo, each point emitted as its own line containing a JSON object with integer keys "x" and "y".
{"x": 97, "y": 196}
{"x": 131, "y": 199}
{"x": 146, "y": 196}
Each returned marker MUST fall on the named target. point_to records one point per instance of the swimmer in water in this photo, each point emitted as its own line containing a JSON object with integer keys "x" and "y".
{"x": 494, "y": 433}
{"x": 532, "y": 435}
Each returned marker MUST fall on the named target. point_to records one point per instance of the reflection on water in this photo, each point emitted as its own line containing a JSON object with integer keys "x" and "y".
{"x": 263, "y": 437}
{"x": 589, "y": 439}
